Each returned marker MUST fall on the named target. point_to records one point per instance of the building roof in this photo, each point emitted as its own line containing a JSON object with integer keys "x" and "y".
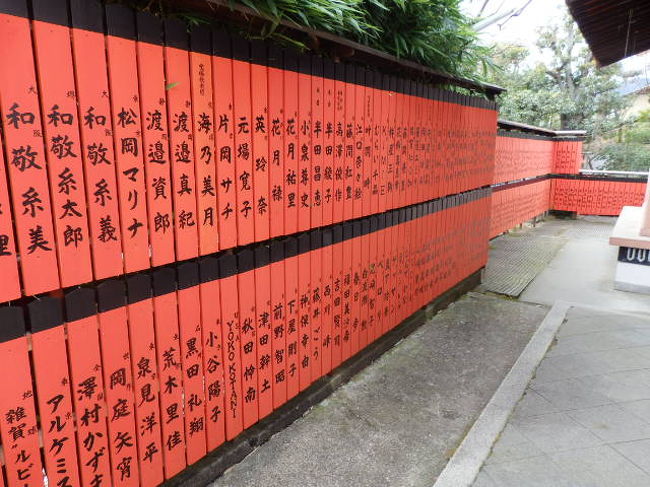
{"x": 632, "y": 86}
{"x": 614, "y": 29}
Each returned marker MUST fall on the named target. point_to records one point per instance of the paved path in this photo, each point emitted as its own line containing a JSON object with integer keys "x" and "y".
{"x": 585, "y": 417}
{"x": 583, "y": 269}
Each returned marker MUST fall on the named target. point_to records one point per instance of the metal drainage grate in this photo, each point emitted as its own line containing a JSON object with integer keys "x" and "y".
{"x": 516, "y": 259}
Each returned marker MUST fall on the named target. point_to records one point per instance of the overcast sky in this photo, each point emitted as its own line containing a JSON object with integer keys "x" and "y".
{"x": 522, "y": 29}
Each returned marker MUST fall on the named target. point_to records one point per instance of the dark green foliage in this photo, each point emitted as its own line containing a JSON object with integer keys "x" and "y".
{"x": 628, "y": 148}
{"x": 434, "y": 33}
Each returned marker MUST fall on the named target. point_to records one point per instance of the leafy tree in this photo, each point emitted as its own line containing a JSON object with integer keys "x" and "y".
{"x": 562, "y": 88}
{"x": 566, "y": 90}
{"x": 628, "y": 149}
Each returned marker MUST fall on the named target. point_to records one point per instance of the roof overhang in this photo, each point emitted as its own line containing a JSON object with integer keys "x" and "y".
{"x": 614, "y": 29}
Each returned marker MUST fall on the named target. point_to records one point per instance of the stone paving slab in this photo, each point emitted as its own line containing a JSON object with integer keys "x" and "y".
{"x": 583, "y": 270}
{"x": 400, "y": 419}
{"x": 585, "y": 418}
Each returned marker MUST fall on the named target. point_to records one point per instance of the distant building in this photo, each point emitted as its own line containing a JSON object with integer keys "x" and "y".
{"x": 638, "y": 90}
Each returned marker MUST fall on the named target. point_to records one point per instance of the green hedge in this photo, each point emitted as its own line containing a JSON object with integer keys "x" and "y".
{"x": 434, "y": 33}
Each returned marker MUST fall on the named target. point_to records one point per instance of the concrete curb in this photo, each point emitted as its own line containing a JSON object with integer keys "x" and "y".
{"x": 464, "y": 465}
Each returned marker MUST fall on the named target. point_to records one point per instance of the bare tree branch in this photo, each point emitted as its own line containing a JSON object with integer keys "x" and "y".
{"x": 485, "y": 4}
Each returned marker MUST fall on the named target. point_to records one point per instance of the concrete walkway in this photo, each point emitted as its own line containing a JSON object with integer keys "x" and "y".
{"x": 583, "y": 270}
{"x": 568, "y": 260}
{"x": 584, "y": 419}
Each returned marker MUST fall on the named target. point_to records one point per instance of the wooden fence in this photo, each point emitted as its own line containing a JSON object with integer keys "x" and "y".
{"x": 194, "y": 228}
{"x": 535, "y": 173}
